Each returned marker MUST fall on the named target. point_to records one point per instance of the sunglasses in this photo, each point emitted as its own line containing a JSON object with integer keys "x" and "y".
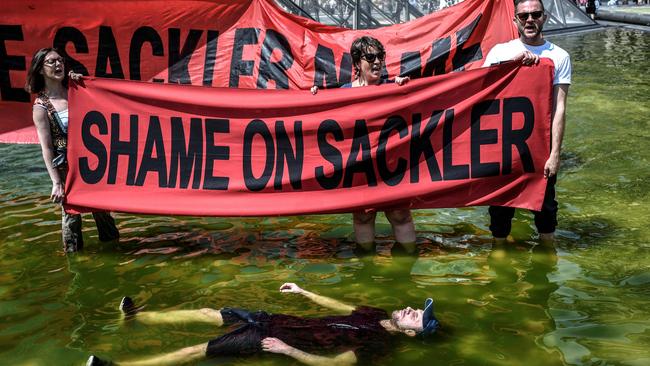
{"x": 371, "y": 57}
{"x": 524, "y": 16}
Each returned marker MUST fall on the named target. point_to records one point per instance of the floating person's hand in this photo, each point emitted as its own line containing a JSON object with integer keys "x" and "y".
{"x": 314, "y": 89}
{"x": 291, "y": 287}
{"x": 274, "y": 345}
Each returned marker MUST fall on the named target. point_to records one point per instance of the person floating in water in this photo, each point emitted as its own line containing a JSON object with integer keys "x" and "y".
{"x": 362, "y": 335}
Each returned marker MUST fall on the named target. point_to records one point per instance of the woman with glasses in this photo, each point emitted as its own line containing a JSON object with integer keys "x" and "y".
{"x": 48, "y": 79}
{"x": 368, "y": 56}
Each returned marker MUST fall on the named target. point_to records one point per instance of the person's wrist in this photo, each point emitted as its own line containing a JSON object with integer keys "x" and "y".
{"x": 289, "y": 351}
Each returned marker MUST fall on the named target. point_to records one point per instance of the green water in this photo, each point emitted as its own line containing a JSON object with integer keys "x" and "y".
{"x": 583, "y": 302}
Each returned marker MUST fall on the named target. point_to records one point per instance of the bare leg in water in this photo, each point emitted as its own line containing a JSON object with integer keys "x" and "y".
{"x": 205, "y": 315}
{"x": 184, "y": 355}
{"x": 400, "y": 220}
{"x": 403, "y": 228}
{"x": 364, "y": 228}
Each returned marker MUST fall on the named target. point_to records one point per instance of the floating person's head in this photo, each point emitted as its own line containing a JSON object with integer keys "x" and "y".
{"x": 414, "y": 322}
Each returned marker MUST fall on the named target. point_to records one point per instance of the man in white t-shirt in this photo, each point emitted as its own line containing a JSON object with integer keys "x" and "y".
{"x": 528, "y": 48}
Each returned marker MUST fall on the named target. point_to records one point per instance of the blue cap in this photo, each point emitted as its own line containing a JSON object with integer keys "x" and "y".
{"x": 429, "y": 322}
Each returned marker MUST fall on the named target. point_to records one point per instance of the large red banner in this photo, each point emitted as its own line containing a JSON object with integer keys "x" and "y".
{"x": 472, "y": 138}
{"x": 226, "y": 43}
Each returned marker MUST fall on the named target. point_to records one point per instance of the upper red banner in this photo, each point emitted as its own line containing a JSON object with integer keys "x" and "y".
{"x": 479, "y": 137}
{"x": 237, "y": 44}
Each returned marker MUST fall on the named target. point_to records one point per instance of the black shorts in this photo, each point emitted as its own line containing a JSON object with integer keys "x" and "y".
{"x": 244, "y": 340}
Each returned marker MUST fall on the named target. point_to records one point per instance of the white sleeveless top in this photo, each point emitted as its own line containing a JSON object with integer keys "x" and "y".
{"x": 63, "y": 115}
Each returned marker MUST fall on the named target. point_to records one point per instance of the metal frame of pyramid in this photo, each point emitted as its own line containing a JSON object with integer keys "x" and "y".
{"x": 563, "y": 15}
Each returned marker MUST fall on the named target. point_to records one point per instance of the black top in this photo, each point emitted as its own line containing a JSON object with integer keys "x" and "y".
{"x": 359, "y": 332}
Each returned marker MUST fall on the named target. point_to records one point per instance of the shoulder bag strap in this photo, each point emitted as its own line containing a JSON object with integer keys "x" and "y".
{"x": 52, "y": 112}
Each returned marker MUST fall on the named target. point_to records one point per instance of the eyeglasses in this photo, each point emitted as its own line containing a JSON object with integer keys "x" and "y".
{"x": 53, "y": 61}
{"x": 371, "y": 57}
{"x": 524, "y": 16}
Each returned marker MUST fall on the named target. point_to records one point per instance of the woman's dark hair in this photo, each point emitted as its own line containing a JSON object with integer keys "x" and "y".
{"x": 360, "y": 46}
{"x": 35, "y": 82}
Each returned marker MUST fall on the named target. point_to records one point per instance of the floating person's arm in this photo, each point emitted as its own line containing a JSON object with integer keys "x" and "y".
{"x": 275, "y": 345}
{"x": 319, "y": 299}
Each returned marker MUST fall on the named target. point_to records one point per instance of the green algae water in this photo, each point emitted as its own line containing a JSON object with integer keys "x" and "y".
{"x": 584, "y": 301}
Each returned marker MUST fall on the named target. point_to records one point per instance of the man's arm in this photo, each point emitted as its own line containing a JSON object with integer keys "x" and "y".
{"x": 552, "y": 165}
{"x": 275, "y": 345}
{"x": 319, "y": 299}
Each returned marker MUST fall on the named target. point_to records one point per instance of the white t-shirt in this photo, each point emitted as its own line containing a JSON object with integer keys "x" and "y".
{"x": 507, "y": 51}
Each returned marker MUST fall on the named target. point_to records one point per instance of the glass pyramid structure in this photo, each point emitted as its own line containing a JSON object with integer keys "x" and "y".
{"x": 563, "y": 15}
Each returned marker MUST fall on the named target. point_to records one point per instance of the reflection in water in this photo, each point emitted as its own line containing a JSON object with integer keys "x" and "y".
{"x": 511, "y": 309}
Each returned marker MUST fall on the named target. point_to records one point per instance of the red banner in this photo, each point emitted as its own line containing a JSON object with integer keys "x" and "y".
{"x": 473, "y": 138}
{"x": 236, "y": 44}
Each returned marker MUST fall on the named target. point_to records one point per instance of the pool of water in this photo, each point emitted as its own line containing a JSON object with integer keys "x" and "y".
{"x": 582, "y": 302}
